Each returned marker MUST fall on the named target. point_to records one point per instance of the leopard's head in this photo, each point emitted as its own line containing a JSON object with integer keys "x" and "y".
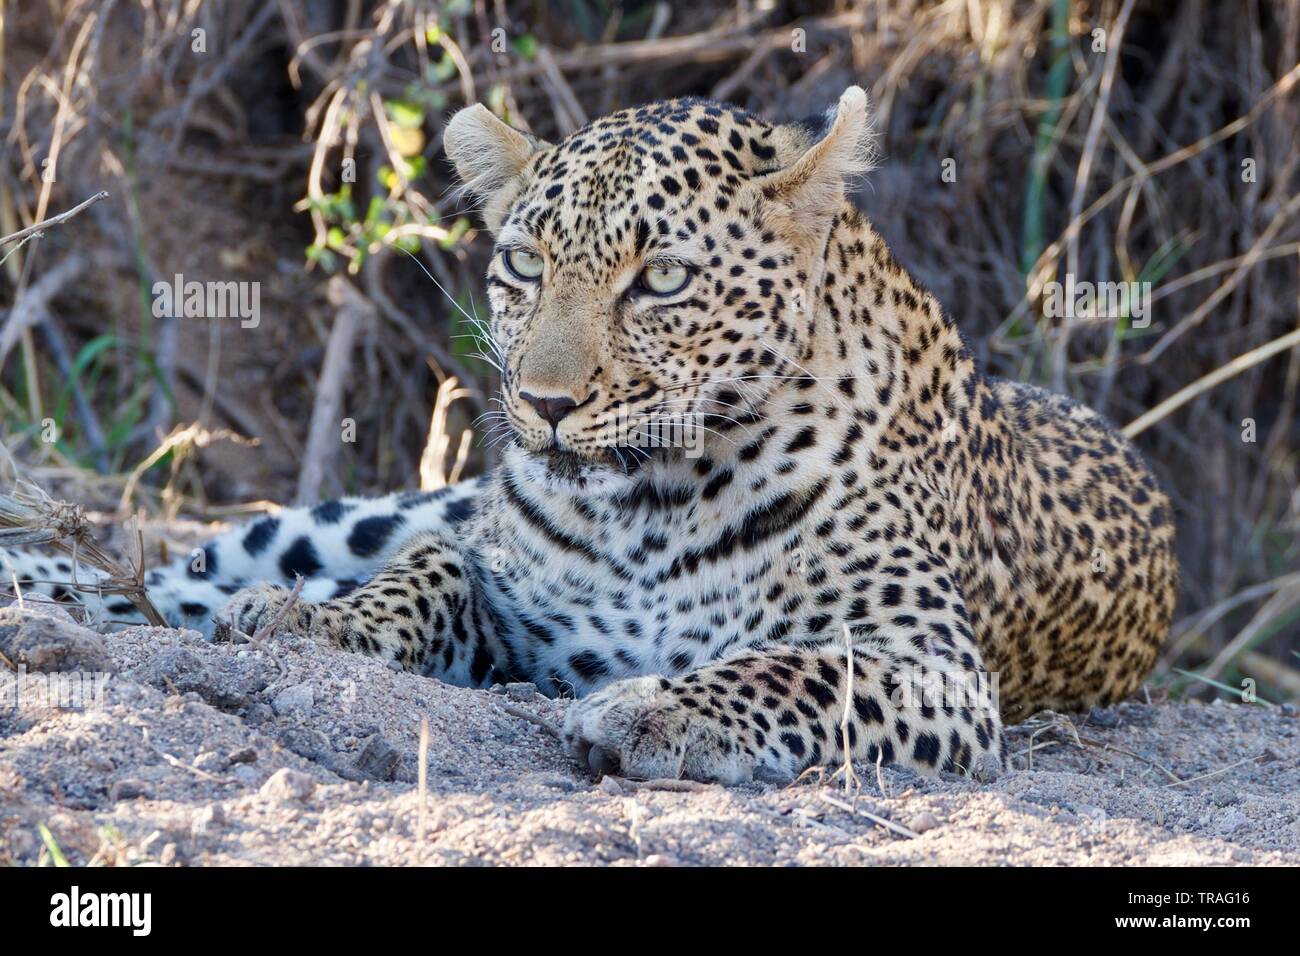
{"x": 654, "y": 272}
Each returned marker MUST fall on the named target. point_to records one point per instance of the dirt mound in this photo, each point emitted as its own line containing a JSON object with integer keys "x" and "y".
{"x": 295, "y": 753}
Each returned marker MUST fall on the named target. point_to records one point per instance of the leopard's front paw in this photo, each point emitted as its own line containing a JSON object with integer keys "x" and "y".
{"x": 249, "y": 609}
{"x": 640, "y": 728}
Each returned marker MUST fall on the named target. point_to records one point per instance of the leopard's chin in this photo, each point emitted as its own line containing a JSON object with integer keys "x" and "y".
{"x": 597, "y": 472}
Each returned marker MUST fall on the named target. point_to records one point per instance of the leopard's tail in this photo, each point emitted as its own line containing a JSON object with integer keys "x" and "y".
{"x": 334, "y": 546}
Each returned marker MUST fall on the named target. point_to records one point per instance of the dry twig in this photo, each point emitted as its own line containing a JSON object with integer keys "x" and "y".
{"x": 38, "y": 229}
{"x": 29, "y": 516}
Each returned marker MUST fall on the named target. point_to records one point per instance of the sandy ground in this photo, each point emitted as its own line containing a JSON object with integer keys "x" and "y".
{"x": 296, "y": 753}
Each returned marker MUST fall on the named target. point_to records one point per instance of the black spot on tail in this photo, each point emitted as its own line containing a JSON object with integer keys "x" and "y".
{"x": 330, "y": 512}
{"x": 413, "y": 499}
{"x": 260, "y": 535}
{"x": 370, "y": 534}
{"x": 301, "y": 558}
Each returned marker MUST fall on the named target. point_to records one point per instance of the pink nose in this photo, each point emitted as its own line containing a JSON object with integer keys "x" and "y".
{"x": 552, "y": 410}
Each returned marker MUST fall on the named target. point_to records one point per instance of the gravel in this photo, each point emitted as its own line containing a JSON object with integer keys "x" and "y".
{"x": 203, "y": 754}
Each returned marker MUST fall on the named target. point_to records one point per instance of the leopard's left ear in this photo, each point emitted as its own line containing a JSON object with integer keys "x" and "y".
{"x": 489, "y": 156}
{"x": 813, "y": 184}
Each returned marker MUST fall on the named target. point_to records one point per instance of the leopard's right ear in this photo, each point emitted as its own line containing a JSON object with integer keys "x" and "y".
{"x": 488, "y": 155}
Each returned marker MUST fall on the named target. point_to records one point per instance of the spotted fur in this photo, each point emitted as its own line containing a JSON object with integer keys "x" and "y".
{"x": 863, "y": 495}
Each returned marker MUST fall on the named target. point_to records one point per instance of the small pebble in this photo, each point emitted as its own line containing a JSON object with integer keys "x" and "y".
{"x": 1095, "y": 815}
{"x": 922, "y": 822}
{"x": 207, "y": 819}
{"x": 127, "y": 789}
{"x": 288, "y": 784}
{"x": 242, "y": 755}
{"x": 256, "y": 713}
{"x": 210, "y": 762}
{"x": 295, "y": 701}
{"x": 1104, "y": 717}
{"x": 521, "y": 692}
{"x": 378, "y": 759}
{"x": 96, "y": 761}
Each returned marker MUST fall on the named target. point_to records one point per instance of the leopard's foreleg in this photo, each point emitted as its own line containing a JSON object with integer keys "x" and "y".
{"x": 422, "y": 612}
{"x": 914, "y": 699}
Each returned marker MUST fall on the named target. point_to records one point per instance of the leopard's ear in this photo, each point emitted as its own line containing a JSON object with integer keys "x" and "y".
{"x": 822, "y": 164}
{"x": 488, "y": 155}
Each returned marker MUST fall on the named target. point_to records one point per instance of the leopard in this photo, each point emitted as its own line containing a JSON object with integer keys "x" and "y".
{"x": 853, "y": 543}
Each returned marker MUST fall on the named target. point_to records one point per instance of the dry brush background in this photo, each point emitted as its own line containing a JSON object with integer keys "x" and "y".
{"x": 226, "y": 134}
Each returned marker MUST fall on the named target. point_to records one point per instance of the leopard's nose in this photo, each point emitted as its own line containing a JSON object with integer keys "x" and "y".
{"x": 552, "y": 409}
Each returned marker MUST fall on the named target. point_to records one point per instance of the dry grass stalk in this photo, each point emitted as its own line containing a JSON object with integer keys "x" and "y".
{"x": 852, "y": 785}
{"x": 1066, "y": 732}
{"x": 433, "y": 460}
{"x": 29, "y": 516}
{"x": 37, "y": 229}
{"x": 267, "y": 629}
{"x": 355, "y": 312}
{"x": 1215, "y": 773}
{"x": 1278, "y": 606}
{"x": 542, "y": 722}
{"x": 868, "y": 815}
{"x": 1209, "y": 381}
{"x": 423, "y": 782}
{"x": 670, "y": 784}
{"x": 181, "y": 443}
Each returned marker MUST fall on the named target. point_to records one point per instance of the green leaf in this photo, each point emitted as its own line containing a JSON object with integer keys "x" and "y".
{"x": 455, "y": 233}
{"x": 404, "y": 113}
{"x": 415, "y": 167}
{"x": 47, "y": 838}
{"x": 444, "y": 69}
{"x": 525, "y": 46}
{"x": 322, "y": 257}
{"x": 88, "y": 353}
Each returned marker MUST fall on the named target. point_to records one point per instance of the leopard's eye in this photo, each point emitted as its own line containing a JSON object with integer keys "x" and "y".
{"x": 524, "y": 264}
{"x": 665, "y": 279}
